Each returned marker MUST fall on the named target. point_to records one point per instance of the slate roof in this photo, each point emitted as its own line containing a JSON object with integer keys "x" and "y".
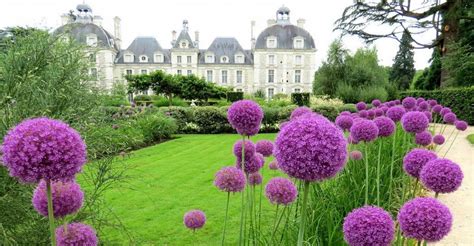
{"x": 226, "y": 47}
{"x": 285, "y": 35}
{"x": 144, "y": 46}
{"x": 79, "y": 31}
{"x": 184, "y": 35}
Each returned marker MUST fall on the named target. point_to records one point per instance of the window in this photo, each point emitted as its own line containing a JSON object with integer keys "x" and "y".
{"x": 143, "y": 59}
{"x": 271, "y": 42}
{"x": 299, "y": 44}
{"x": 271, "y": 92}
{"x": 297, "y": 90}
{"x": 128, "y": 58}
{"x": 189, "y": 72}
{"x": 239, "y": 59}
{"x": 93, "y": 73}
{"x": 184, "y": 44}
{"x": 158, "y": 58}
{"x": 209, "y": 75}
{"x": 188, "y": 59}
{"x": 91, "y": 40}
{"x": 209, "y": 59}
{"x": 92, "y": 57}
{"x": 298, "y": 60}
{"x": 239, "y": 76}
{"x": 144, "y": 71}
{"x": 271, "y": 76}
{"x": 179, "y": 72}
{"x": 297, "y": 76}
{"x": 224, "y": 59}
{"x": 129, "y": 72}
{"x": 238, "y": 90}
{"x": 178, "y": 59}
{"x": 271, "y": 59}
{"x": 224, "y": 77}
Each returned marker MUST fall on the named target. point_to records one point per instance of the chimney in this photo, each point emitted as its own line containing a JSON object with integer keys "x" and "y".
{"x": 65, "y": 19}
{"x": 173, "y": 37}
{"x": 271, "y": 22}
{"x": 97, "y": 20}
{"x": 252, "y": 34}
{"x": 117, "y": 31}
{"x": 301, "y": 22}
{"x": 196, "y": 38}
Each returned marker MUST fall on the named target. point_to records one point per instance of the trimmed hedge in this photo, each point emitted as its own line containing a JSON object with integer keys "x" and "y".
{"x": 300, "y": 99}
{"x": 211, "y": 120}
{"x": 233, "y": 96}
{"x": 460, "y": 100}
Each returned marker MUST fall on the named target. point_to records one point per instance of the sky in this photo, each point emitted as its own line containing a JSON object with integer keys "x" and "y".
{"x": 212, "y": 18}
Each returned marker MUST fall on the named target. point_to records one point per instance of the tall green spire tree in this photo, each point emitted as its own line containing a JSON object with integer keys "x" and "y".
{"x": 403, "y": 68}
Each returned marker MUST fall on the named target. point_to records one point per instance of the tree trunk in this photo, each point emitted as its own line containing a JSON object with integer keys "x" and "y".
{"x": 450, "y": 29}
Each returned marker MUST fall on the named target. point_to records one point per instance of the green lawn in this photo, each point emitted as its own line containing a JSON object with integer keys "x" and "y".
{"x": 173, "y": 177}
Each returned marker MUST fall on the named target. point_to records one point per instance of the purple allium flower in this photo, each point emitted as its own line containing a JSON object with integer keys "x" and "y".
{"x": 355, "y": 155}
{"x": 376, "y": 102}
{"x": 449, "y": 118}
{"x": 428, "y": 115}
{"x": 351, "y": 140}
{"x": 370, "y": 114}
{"x": 311, "y": 149}
{"x": 194, "y": 219}
{"x": 230, "y": 179}
{"x": 386, "y": 126}
{"x": 245, "y": 116}
{"x": 414, "y": 122}
{"x": 299, "y": 111}
{"x": 76, "y": 234}
{"x": 423, "y": 106}
{"x": 251, "y": 165}
{"x": 273, "y": 165}
{"x": 255, "y": 179}
{"x": 43, "y": 148}
{"x": 438, "y": 139}
{"x": 364, "y": 130}
{"x": 444, "y": 111}
{"x": 437, "y": 108}
{"x": 344, "y": 122}
{"x": 397, "y": 102}
{"x": 460, "y": 125}
{"x": 368, "y": 225}
{"x": 396, "y": 113}
{"x": 115, "y": 126}
{"x": 363, "y": 113}
{"x": 384, "y": 109}
{"x": 432, "y": 102}
{"x": 249, "y": 149}
{"x": 361, "y": 106}
{"x": 409, "y": 102}
{"x": 420, "y": 100}
{"x": 441, "y": 176}
{"x": 345, "y": 113}
{"x": 379, "y": 112}
{"x": 391, "y": 103}
{"x": 423, "y": 138}
{"x": 414, "y": 161}
{"x": 425, "y": 219}
{"x": 264, "y": 147}
{"x": 280, "y": 191}
{"x": 67, "y": 198}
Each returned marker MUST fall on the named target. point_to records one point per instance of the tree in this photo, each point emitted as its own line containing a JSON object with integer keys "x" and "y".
{"x": 332, "y": 71}
{"x": 403, "y": 68}
{"x": 167, "y": 84}
{"x": 138, "y": 83}
{"x": 401, "y": 16}
{"x": 194, "y": 87}
{"x": 431, "y": 77}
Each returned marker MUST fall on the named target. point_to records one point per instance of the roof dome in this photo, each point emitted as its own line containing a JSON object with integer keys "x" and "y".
{"x": 83, "y": 8}
{"x": 283, "y": 9}
{"x": 79, "y": 32}
{"x": 285, "y": 35}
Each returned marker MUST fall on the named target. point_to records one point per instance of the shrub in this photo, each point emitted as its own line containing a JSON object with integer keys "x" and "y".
{"x": 182, "y": 116}
{"x": 211, "y": 120}
{"x": 370, "y": 93}
{"x": 160, "y": 101}
{"x": 155, "y": 127}
{"x": 114, "y": 100}
{"x": 285, "y": 113}
{"x": 347, "y": 107}
{"x": 270, "y": 119}
{"x": 347, "y": 93}
{"x": 233, "y": 96}
{"x": 325, "y": 100}
{"x": 329, "y": 112}
{"x": 300, "y": 99}
{"x": 142, "y": 98}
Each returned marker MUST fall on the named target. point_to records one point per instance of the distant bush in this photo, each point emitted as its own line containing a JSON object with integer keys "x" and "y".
{"x": 370, "y": 93}
{"x": 155, "y": 127}
{"x": 329, "y": 112}
{"x": 160, "y": 101}
{"x": 300, "y": 99}
{"x": 211, "y": 120}
{"x": 233, "y": 96}
{"x": 142, "y": 98}
{"x": 182, "y": 115}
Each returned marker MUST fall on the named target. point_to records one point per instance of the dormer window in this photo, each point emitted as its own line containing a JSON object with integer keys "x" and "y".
{"x": 128, "y": 58}
{"x": 91, "y": 40}
{"x": 298, "y": 43}
{"x": 158, "y": 58}
{"x": 271, "y": 42}
{"x": 239, "y": 58}
{"x": 224, "y": 59}
{"x": 143, "y": 58}
{"x": 209, "y": 58}
{"x": 184, "y": 45}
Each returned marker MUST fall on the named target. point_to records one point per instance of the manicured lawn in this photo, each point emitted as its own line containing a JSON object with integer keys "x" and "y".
{"x": 173, "y": 177}
{"x": 470, "y": 138}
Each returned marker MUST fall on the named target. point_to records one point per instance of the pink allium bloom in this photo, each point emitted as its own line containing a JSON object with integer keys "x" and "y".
{"x": 419, "y": 100}
{"x": 414, "y": 161}
{"x": 249, "y": 149}
{"x": 423, "y": 106}
{"x": 396, "y": 113}
{"x": 437, "y": 108}
{"x": 460, "y": 125}
{"x": 425, "y": 219}
{"x": 369, "y": 225}
{"x": 194, "y": 219}
{"x": 253, "y": 164}
{"x": 363, "y": 113}
{"x": 379, "y": 111}
{"x": 449, "y": 118}
{"x": 370, "y": 114}
{"x": 43, "y": 148}
{"x": 409, "y": 102}
{"x": 414, "y": 122}
{"x": 364, "y": 130}
{"x": 299, "y": 111}
{"x": 245, "y": 116}
{"x": 311, "y": 149}
{"x": 264, "y": 147}
{"x": 351, "y": 140}
{"x": 432, "y": 102}
{"x": 77, "y": 234}
{"x": 386, "y": 126}
{"x": 345, "y": 113}
{"x": 67, "y": 198}
{"x": 444, "y": 111}
{"x": 273, "y": 165}
{"x": 423, "y": 138}
{"x": 361, "y": 106}
{"x": 281, "y": 191}
{"x": 355, "y": 155}
{"x": 344, "y": 122}
{"x": 428, "y": 115}
{"x": 230, "y": 179}
{"x": 376, "y": 102}
{"x": 441, "y": 176}
{"x": 255, "y": 179}
{"x": 438, "y": 139}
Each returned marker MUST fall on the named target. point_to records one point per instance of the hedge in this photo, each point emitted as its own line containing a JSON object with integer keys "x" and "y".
{"x": 300, "y": 99}
{"x": 233, "y": 96}
{"x": 460, "y": 100}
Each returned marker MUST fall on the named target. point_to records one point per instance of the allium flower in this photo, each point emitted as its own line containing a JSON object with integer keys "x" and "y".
{"x": 428, "y": 115}
{"x": 376, "y": 102}
{"x": 344, "y": 122}
{"x": 444, "y": 111}
{"x": 423, "y": 106}
{"x": 414, "y": 122}
{"x": 351, "y": 140}
{"x": 297, "y": 112}
{"x": 369, "y": 225}
{"x": 437, "y": 108}
{"x": 370, "y": 114}
{"x": 414, "y": 161}
{"x": 230, "y": 179}
{"x": 273, "y": 165}
{"x": 384, "y": 109}
{"x": 441, "y": 176}
{"x": 363, "y": 113}
{"x": 391, "y": 103}
{"x": 67, "y": 198}
{"x": 397, "y": 102}
{"x": 245, "y": 116}
{"x": 264, "y": 147}
{"x": 361, "y": 106}
{"x": 432, "y": 102}
{"x": 115, "y": 126}
{"x": 438, "y": 139}
{"x": 420, "y": 100}
{"x": 42, "y": 148}
{"x": 355, "y": 155}
{"x": 423, "y": 138}
{"x": 76, "y": 234}
{"x": 345, "y": 113}
{"x": 255, "y": 179}
{"x": 460, "y": 125}
{"x": 249, "y": 149}
{"x": 396, "y": 113}
{"x": 311, "y": 149}
{"x": 449, "y": 118}
{"x": 364, "y": 130}
{"x": 194, "y": 219}
{"x": 280, "y": 191}
{"x": 425, "y": 219}
{"x": 253, "y": 164}
{"x": 379, "y": 112}
{"x": 386, "y": 126}
{"x": 409, "y": 102}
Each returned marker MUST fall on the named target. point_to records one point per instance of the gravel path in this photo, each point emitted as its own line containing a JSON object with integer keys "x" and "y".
{"x": 461, "y": 202}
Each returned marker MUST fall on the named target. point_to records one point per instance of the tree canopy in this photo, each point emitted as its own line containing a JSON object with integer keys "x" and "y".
{"x": 403, "y": 69}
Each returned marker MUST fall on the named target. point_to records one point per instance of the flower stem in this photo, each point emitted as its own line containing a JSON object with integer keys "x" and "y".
{"x": 451, "y": 145}
{"x": 378, "y": 174}
{"x": 242, "y": 211}
{"x": 225, "y": 220}
{"x": 391, "y": 167}
{"x": 303, "y": 214}
{"x": 278, "y": 223}
{"x": 366, "y": 158}
{"x": 414, "y": 189}
{"x": 436, "y": 195}
{"x": 51, "y": 213}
